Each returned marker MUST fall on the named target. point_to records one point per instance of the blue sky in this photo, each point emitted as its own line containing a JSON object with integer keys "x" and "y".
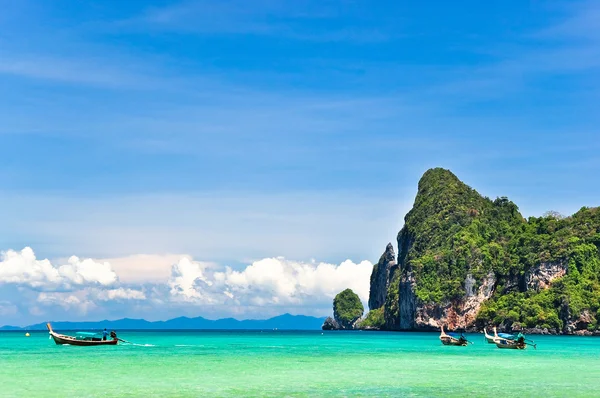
{"x": 232, "y": 133}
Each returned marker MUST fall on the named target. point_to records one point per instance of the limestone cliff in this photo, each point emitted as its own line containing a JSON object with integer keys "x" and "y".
{"x": 443, "y": 274}
{"x": 380, "y": 277}
{"x": 541, "y": 275}
{"x": 466, "y": 261}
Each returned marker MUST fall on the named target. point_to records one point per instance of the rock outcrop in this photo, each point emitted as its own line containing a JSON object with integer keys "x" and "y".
{"x": 460, "y": 314}
{"x": 347, "y": 312}
{"x": 347, "y": 309}
{"x": 380, "y": 278}
{"x": 540, "y": 276}
{"x": 460, "y": 253}
{"x": 330, "y": 324}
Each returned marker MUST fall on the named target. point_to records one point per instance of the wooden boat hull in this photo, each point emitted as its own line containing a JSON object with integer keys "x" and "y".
{"x": 510, "y": 345}
{"x": 453, "y": 342}
{"x": 60, "y": 339}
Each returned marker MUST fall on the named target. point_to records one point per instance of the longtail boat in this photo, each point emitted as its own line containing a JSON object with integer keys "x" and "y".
{"x": 83, "y": 339}
{"x": 510, "y": 341}
{"x": 448, "y": 339}
{"x": 492, "y": 339}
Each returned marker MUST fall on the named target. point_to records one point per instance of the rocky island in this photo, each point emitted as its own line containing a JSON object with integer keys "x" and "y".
{"x": 467, "y": 261}
{"x": 347, "y": 311}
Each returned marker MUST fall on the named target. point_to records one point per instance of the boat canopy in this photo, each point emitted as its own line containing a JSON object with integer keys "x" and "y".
{"x": 506, "y": 336}
{"x": 87, "y": 333}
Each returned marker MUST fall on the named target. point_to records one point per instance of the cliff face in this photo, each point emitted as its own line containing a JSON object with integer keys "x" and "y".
{"x": 466, "y": 261}
{"x": 460, "y": 314}
{"x": 541, "y": 275}
{"x": 444, "y": 271}
{"x": 380, "y": 278}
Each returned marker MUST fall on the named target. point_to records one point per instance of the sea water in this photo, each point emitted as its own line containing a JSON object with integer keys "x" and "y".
{"x": 296, "y": 364}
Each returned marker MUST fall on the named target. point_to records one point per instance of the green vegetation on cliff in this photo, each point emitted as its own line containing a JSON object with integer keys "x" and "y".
{"x": 373, "y": 320}
{"x": 347, "y": 308}
{"x": 453, "y": 231}
{"x": 571, "y": 301}
{"x": 545, "y": 270}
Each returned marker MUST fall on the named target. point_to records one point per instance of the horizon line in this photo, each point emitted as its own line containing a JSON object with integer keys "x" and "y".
{"x": 166, "y": 320}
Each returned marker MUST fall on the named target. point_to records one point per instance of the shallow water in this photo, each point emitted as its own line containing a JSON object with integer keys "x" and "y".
{"x": 296, "y": 364}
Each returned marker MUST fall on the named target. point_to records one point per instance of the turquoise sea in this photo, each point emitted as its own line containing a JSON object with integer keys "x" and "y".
{"x": 296, "y": 364}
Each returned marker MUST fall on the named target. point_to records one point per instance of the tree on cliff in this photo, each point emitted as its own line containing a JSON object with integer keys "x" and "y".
{"x": 553, "y": 214}
{"x": 347, "y": 308}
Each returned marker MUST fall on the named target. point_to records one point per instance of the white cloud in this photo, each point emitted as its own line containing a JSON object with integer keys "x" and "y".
{"x": 88, "y": 271}
{"x": 270, "y": 281}
{"x": 143, "y": 268}
{"x": 86, "y": 287}
{"x": 120, "y": 294}
{"x": 188, "y": 278}
{"x": 68, "y": 301}
{"x": 23, "y": 268}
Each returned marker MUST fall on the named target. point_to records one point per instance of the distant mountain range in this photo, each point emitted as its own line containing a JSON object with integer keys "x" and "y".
{"x": 283, "y": 322}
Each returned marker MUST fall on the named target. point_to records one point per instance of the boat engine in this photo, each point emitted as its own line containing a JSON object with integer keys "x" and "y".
{"x": 113, "y": 335}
